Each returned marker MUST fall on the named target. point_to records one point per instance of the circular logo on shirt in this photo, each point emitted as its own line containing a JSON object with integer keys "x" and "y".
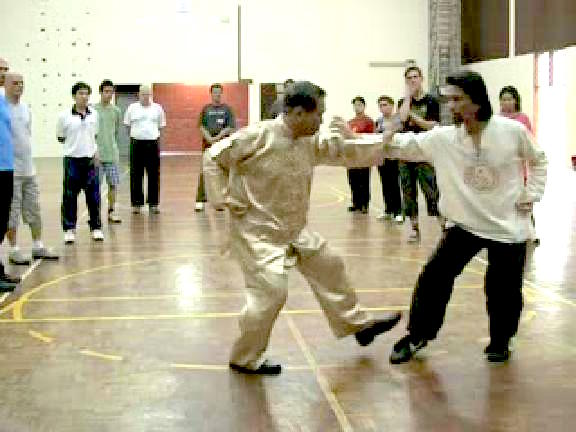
{"x": 481, "y": 177}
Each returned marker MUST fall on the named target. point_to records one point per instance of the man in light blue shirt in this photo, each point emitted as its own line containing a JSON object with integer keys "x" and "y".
{"x": 7, "y": 283}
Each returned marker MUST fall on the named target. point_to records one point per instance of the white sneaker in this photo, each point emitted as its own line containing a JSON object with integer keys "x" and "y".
{"x": 199, "y": 207}
{"x": 114, "y": 218}
{"x": 69, "y": 236}
{"x": 97, "y": 235}
{"x": 136, "y": 209}
{"x": 399, "y": 219}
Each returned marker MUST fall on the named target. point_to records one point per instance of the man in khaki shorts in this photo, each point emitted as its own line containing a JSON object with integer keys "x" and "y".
{"x": 25, "y": 200}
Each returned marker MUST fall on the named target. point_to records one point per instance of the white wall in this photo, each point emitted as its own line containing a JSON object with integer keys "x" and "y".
{"x": 195, "y": 41}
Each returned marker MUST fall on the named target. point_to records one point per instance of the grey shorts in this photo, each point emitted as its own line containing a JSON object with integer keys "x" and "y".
{"x": 25, "y": 203}
{"x": 110, "y": 171}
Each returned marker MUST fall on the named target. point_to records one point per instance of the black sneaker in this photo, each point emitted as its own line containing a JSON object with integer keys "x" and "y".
{"x": 7, "y": 286}
{"x": 365, "y": 336}
{"x": 264, "y": 369}
{"x": 497, "y": 353}
{"x": 405, "y": 349}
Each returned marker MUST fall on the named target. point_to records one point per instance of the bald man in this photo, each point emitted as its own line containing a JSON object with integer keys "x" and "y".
{"x": 4, "y": 68}
{"x": 7, "y": 283}
{"x": 145, "y": 119}
{"x": 25, "y": 199}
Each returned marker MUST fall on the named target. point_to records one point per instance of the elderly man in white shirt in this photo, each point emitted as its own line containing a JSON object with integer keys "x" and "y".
{"x": 479, "y": 164}
{"x": 145, "y": 120}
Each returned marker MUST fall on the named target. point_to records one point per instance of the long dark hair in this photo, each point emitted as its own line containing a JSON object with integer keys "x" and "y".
{"x": 511, "y": 90}
{"x": 473, "y": 85}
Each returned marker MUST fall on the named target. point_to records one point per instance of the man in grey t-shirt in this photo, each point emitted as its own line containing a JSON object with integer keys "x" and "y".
{"x": 25, "y": 198}
{"x": 216, "y": 122}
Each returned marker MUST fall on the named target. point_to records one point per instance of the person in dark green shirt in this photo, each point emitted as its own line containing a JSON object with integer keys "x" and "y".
{"x": 107, "y": 139}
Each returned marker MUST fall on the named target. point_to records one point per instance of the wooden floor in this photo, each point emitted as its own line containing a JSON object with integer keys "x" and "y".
{"x": 133, "y": 334}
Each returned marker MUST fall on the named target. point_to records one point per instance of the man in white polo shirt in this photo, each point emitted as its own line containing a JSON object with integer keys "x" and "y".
{"x": 145, "y": 120}
{"x": 77, "y": 130}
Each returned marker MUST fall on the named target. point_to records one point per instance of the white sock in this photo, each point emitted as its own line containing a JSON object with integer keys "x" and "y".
{"x": 37, "y": 244}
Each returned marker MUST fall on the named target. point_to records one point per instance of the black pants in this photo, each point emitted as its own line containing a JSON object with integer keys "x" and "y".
{"x": 80, "y": 174}
{"x": 412, "y": 173}
{"x": 390, "y": 178}
{"x": 359, "y": 180}
{"x": 144, "y": 155}
{"x": 6, "y": 191}
{"x": 201, "y": 190}
{"x": 502, "y": 284}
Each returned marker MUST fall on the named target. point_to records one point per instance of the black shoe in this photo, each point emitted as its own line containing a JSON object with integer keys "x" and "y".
{"x": 405, "y": 349}
{"x": 364, "y": 209}
{"x": 497, "y": 353}
{"x": 10, "y": 279}
{"x": 7, "y": 286}
{"x": 264, "y": 369}
{"x": 366, "y": 336}
{"x": 353, "y": 208}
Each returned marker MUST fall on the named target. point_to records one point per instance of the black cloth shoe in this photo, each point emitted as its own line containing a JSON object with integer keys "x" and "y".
{"x": 353, "y": 208}
{"x": 497, "y": 352}
{"x": 364, "y": 209}
{"x": 10, "y": 279}
{"x": 405, "y": 349}
{"x": 366, "y": 336}
{"x": 7, "y": 286}
{"x": 264, "y": 369}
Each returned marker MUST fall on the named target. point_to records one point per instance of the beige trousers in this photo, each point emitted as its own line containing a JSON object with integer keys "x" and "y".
{"x": 265, "y": 270}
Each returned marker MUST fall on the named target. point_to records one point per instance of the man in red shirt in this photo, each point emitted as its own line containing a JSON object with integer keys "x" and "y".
{"x": 359, "y": 178}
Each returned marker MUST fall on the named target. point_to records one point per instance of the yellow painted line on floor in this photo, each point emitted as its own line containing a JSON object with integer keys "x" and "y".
{"x": 202, "y": 367}
{"x": 191, "y": 315}
{"x": 110, "y": 357}
{"x": 227, "y": 294}
{"x": 536, "y": 290}
{"x": 17, "y": 306}
{"x": 40, "y": 336}
{"x": 321, "y": 379}
{"x": 205, "y": 367}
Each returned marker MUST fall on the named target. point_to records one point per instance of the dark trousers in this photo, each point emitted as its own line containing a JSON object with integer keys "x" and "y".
{"x": 201, "y": 191}
{"x": 80, "y": 174}
{"x": 144, "y": 155}
{"x": 412, "y": 173}
{"x": 390, "y": 178}
{"x": 502, "y": 284}
{"x": 6, "y": 191}
{"x": 359, "y": 180}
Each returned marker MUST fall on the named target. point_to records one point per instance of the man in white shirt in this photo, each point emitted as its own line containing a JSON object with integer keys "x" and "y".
{"x": 479, "y": 165}
{"x": 25, "y": 198}
{"x": 145, "y": 120}
{"x": 77, "y": 130}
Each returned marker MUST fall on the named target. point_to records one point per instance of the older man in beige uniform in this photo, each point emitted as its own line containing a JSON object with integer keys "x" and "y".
{"x": 263, "y": 175}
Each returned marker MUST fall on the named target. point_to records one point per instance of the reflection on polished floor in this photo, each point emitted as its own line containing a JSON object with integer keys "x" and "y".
{"x": 133, "y": 334}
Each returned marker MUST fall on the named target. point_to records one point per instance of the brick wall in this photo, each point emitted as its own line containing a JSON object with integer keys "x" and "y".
{"x": 183, "y": 104}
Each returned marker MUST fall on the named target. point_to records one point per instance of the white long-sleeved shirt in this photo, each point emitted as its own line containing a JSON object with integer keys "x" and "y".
{"x": 479, "y": 189}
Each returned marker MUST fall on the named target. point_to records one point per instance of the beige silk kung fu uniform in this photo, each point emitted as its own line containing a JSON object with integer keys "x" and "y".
{"x": 264, "y": 177}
